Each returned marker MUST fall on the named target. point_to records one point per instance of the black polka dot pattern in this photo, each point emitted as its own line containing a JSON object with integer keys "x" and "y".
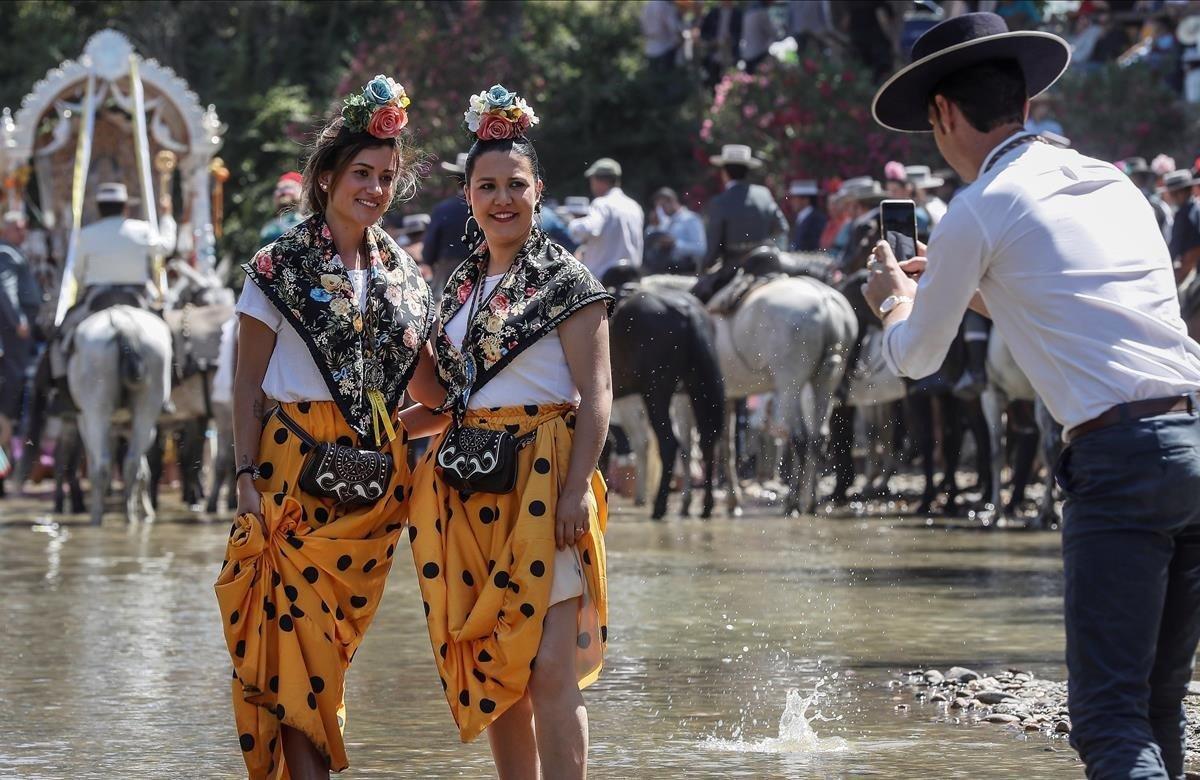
{"x": 358, "y": 602}
{"x": 537, "y": 568}
{"x": 311, "y": 574}
{"x": 430, "y": 570}
{"x": 247, "y": 741}
{"x": 527, "y": 610}
{"x": 344, "y": 562}
{"x": 487, "y": 706}
{"x": 281, "y": 436}
{"x": 541, "y": 466}
{"x": 537, "y": 508}
{"x": 265, "y": 470}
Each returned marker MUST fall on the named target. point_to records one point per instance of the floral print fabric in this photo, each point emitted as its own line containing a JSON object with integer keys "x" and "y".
{"x": 544, "y": 286}
{"x": 303, "y": 276}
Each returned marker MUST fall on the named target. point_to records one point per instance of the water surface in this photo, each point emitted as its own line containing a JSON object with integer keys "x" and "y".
{"x": 116, "y": 666}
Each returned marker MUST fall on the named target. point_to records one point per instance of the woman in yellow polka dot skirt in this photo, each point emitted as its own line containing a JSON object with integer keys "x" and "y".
{"x": 334, "y": 323}
{"x": 514, "y": 583}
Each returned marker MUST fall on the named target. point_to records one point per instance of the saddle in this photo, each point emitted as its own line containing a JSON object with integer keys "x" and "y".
{"x": 196, "y": 338}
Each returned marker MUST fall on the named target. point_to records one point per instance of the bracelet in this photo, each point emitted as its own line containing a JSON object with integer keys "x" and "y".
{"x": 251, "y": 470}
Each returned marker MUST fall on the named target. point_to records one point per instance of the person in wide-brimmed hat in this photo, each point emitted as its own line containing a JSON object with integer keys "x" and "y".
{"x": 1062, "y": 253}
{"x": 860, "y": 197}
{"x": 1178, "y": 190}
{"x": 743, "y": 215}
{"x": 1142, "y": 175}
{"x": 810, "y": 218}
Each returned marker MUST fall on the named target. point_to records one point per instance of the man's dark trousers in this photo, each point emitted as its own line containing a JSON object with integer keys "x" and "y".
{"x": 1131, "y": 561}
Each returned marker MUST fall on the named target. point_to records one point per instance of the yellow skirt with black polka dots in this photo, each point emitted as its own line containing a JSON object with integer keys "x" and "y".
{"x": 487, "y": 566}
{"x": 297, "y": 601}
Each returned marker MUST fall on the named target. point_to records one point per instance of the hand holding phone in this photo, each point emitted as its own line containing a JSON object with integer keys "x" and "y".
{"x": 898, "y": 226}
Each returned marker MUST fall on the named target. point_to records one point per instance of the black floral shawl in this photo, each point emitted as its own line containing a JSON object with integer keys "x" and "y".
{"x": 302, "y": 276}
{"x": 544, "y": 286}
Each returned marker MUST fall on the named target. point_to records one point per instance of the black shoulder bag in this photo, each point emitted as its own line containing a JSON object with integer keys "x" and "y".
{"x": 477, "y": 460}
{"x": 350, "y": 476}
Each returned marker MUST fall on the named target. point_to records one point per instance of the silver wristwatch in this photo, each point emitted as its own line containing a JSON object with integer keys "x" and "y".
{"x": 891, "y": 302}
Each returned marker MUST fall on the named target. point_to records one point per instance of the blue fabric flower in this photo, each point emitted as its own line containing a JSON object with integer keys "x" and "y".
{"x": 499, "y": 97}
{"x": 378, "y": 91}
{"x": 317, "y": 294}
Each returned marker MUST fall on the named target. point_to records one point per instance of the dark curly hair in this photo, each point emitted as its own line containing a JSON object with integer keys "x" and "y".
{"x": 336, "y": 146}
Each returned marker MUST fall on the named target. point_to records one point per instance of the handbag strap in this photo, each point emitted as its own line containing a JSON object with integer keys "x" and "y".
{"x": 294, "y": 427}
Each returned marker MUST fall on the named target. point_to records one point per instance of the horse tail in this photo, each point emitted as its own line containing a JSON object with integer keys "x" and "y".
{"x": 703, "y": 379}
{"x": 129, "y": 359}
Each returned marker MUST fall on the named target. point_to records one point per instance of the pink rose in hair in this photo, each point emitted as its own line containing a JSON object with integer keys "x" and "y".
{"x": 523, "y": 122}
{"x": 494, "y": 127}
{"x": 387, "y": 122}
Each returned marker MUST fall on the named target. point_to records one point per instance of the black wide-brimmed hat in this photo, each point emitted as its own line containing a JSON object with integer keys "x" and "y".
{"x": 957, "y": 43}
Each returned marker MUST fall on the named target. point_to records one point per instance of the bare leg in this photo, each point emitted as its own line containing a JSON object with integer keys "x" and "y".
{"x": 304, "y": 761}
{"x": 559, "y": 718}
{"x": 514, "y": 747}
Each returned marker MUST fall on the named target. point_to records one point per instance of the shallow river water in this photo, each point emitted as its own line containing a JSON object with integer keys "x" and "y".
{"x": 115, "y": 666}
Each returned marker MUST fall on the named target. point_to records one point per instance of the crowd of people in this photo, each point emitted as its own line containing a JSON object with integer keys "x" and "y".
{"x": 717, "y": 36}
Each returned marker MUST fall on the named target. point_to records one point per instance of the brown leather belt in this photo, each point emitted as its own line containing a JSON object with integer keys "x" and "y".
{"x": 1134, "y": 410}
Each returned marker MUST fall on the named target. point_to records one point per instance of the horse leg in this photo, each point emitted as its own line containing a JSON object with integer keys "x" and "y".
{"x": 978, "y": 425}
{"x": 994, "y": 403}
{"x": 824, "y": 385}
{"x": 154, "y": 458}
{"x": 952, "y": 442}
{"x": 74, "y": 456}
{"x": 733, "y": 499}
{"x": 138, "y": 504}
{"x": 1026, "y": 434}
{"x": 94, "y": 431}
{"x": 841, "y": 442}
{"x": 659, "y": 409}
{"x": 683, "y": 424}
{"x": 920, "y": 409}
{"x": 1051, "y": 446}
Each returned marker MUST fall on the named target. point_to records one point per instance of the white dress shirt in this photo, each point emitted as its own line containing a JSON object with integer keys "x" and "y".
{"x": 611, "y": 231}
{"x": 117, "y": 250}
{"x": 1068, "y": 258}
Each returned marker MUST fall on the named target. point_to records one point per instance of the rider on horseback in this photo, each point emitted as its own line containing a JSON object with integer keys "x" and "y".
{"x": 115, "y": 263}
{"x": 741, "y": 218}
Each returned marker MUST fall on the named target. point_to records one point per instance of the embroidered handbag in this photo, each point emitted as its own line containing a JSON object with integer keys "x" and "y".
{"x": 350, "y": 476}
{"x": 478, "y": 460}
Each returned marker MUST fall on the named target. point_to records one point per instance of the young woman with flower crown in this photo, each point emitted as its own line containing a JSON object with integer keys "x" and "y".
{"x": 514, "y": 582}
{"x": 335, "y": 321}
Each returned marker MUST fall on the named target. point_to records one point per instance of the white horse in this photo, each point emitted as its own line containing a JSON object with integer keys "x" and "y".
{"x": 788, "y": 334}
{"x": 873, "y": 388}
{"x": 121, "y": 360}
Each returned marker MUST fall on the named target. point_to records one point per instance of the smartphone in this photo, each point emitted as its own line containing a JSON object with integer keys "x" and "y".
{"x": 898, "y": 226}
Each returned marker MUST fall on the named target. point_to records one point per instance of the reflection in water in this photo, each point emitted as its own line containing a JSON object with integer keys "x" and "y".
{"x": 117, "y": 666}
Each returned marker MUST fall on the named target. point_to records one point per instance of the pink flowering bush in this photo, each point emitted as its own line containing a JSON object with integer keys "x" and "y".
{"x": 810, "y": 120}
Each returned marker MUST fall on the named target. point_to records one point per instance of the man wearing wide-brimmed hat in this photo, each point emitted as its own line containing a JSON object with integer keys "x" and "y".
{"x": 116, "y": 254}
{"x": 860, "y": 197}
{"x": 744, "y": 215}
{"x": 443, "y": 247}
{"x": 924, "y": 183}
{"x": 1064, "y": 253}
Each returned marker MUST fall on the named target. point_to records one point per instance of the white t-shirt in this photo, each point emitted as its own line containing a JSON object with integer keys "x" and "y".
{"x": 292, "y": 374}
{"x": 539, "y": 375}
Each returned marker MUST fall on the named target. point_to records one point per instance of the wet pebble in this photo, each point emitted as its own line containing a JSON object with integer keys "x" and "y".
{"x": 934, "y": 677}
{"x": 961, "y": 674}
{"x": 993, "y": 696}
{"x": 1001, "y": 717}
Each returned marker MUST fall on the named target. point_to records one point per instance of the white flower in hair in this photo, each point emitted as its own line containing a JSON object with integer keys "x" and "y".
{"x": 525, "y": 109}
{"x": 472, "y": 119}
{"x": 479, "y": 103}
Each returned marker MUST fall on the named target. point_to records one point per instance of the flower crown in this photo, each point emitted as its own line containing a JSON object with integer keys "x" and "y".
{"x": 379, "y": 109}
{"x": 499, "y": 114}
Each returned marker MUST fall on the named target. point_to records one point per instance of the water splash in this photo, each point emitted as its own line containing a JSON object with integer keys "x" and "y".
{"x": 796, "y": 733}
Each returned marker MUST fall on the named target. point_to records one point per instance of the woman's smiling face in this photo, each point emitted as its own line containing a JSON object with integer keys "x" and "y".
{"x": 364, "y": 190}
{"x": 503, "y": 192}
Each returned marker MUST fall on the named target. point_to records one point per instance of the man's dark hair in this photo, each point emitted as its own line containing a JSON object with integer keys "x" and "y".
{"x": 110, "y": 209}
{"x": 736, "y": 172}
{"x": 989, "y": 94}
